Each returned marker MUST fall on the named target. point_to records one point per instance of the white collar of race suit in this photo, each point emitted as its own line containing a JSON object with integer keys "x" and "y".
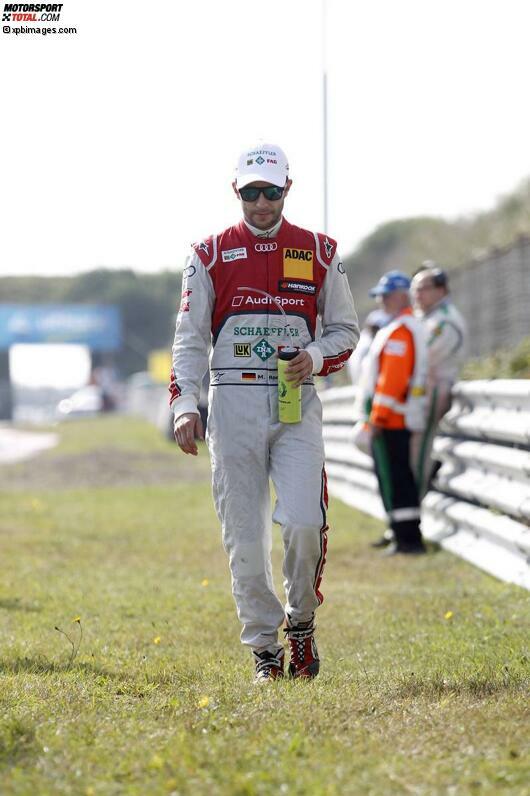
{"x": 265, "y": 233}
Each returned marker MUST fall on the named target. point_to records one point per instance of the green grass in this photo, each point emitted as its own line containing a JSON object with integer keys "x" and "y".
{"x": 159, "y": 697}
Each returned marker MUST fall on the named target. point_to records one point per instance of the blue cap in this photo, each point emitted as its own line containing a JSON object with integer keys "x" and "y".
{"x": 392, "y": 280}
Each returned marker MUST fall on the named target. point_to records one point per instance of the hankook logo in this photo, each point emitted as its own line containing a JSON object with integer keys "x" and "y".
{"x": 265, "y": 247}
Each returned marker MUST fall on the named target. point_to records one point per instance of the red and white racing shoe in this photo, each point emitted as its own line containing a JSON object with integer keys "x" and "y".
{"x": 302, "y": 646}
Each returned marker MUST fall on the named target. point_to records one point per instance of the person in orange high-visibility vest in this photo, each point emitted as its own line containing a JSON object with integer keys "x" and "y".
{"x": 392, "y": 397}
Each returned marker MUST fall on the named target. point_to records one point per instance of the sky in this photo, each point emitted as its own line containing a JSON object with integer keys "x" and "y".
{"x": 118, "y": 142}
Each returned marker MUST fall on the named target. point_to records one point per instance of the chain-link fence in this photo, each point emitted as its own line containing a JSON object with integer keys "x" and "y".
{"x": 493, "y": 294}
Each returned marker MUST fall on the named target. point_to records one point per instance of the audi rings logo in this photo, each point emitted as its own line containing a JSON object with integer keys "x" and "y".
{"x": 265, "y": 247}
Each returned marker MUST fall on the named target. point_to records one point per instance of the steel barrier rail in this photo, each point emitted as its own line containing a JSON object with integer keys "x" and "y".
{"x": 491, "y": 475}
{"x": 480, "y": 507}
{"x": 496, "y": 410}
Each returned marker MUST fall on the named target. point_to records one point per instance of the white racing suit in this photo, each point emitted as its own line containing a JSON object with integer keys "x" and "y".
{"x": 446, "y": 347}
{"x": 247, "y": 444}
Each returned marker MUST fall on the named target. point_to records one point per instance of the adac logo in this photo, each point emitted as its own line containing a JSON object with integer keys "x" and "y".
{"x": 298, "y": 254}
{"x": 298, "y": 263}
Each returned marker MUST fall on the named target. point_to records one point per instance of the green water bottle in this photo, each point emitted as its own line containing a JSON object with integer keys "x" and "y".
{"x": 289, "y": 397}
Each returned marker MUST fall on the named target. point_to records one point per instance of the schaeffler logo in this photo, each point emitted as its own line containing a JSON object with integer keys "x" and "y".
{"x": 32, "y": 12}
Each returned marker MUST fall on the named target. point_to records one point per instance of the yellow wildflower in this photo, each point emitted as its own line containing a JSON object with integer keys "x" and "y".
{"x": 203, "y": 702}
{"x": 157, "y": 640}
{"x": 205, "y": 582}
{"x": 448, "y": 615}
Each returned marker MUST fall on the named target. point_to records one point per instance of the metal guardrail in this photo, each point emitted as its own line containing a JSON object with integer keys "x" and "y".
{"x": 479, "y": 508}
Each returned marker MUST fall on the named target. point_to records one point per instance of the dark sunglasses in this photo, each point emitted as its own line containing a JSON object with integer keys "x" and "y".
{"x": 272, "y": 193}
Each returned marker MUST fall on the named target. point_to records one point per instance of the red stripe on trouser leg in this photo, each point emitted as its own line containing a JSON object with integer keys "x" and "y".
{"x": 325, "y": 490}
{"x": 323, "y": 536}
{"x": 321, "y": 562}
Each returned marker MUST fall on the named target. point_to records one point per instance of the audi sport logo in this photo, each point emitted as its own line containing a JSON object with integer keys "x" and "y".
{"x": 265, "y": 247}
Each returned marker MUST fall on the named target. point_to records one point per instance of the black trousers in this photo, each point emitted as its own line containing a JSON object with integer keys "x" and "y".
{"x": 399, "y": 492}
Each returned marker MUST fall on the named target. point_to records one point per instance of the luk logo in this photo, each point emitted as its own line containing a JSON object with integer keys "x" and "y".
{"x": 265, "y": 247}
{"x": 298, "y": 263}
{"x": 242, "y": 350}
{"x": 264, "y": 350}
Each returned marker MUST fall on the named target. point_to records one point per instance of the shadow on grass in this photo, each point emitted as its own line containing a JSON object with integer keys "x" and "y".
{"x": 42, "y": 665}
{"x": 483, "y": 683}
{"x": 137, "y": 681}
{"x": 16, "y": 604}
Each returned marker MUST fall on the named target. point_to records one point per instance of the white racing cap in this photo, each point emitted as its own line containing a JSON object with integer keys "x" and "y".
{"x": 262, "y": 163}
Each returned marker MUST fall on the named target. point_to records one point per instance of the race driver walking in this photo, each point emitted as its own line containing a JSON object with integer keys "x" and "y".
{"x": 235, "y": 287}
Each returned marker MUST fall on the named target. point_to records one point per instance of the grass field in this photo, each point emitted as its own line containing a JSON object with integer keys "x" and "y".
{"x": 425, "y": 675}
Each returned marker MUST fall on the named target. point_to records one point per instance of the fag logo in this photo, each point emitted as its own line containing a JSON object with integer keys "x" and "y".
{"x": 298, "y": 263}
{"x": 234, "y": 254}
{"x": 242, "y": 350}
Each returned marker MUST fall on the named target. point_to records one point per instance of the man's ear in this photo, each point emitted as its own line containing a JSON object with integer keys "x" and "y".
{"x": 234, "y": 186}
{"x": 287, "y": 188}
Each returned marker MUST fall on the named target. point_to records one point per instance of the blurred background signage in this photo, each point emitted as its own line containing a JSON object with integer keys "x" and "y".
{"x": 96, "y": 326}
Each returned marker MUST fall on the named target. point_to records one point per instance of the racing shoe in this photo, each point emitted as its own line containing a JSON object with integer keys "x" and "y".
{"x": 302, "y": 646}
{"x": 269, "y": 665}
